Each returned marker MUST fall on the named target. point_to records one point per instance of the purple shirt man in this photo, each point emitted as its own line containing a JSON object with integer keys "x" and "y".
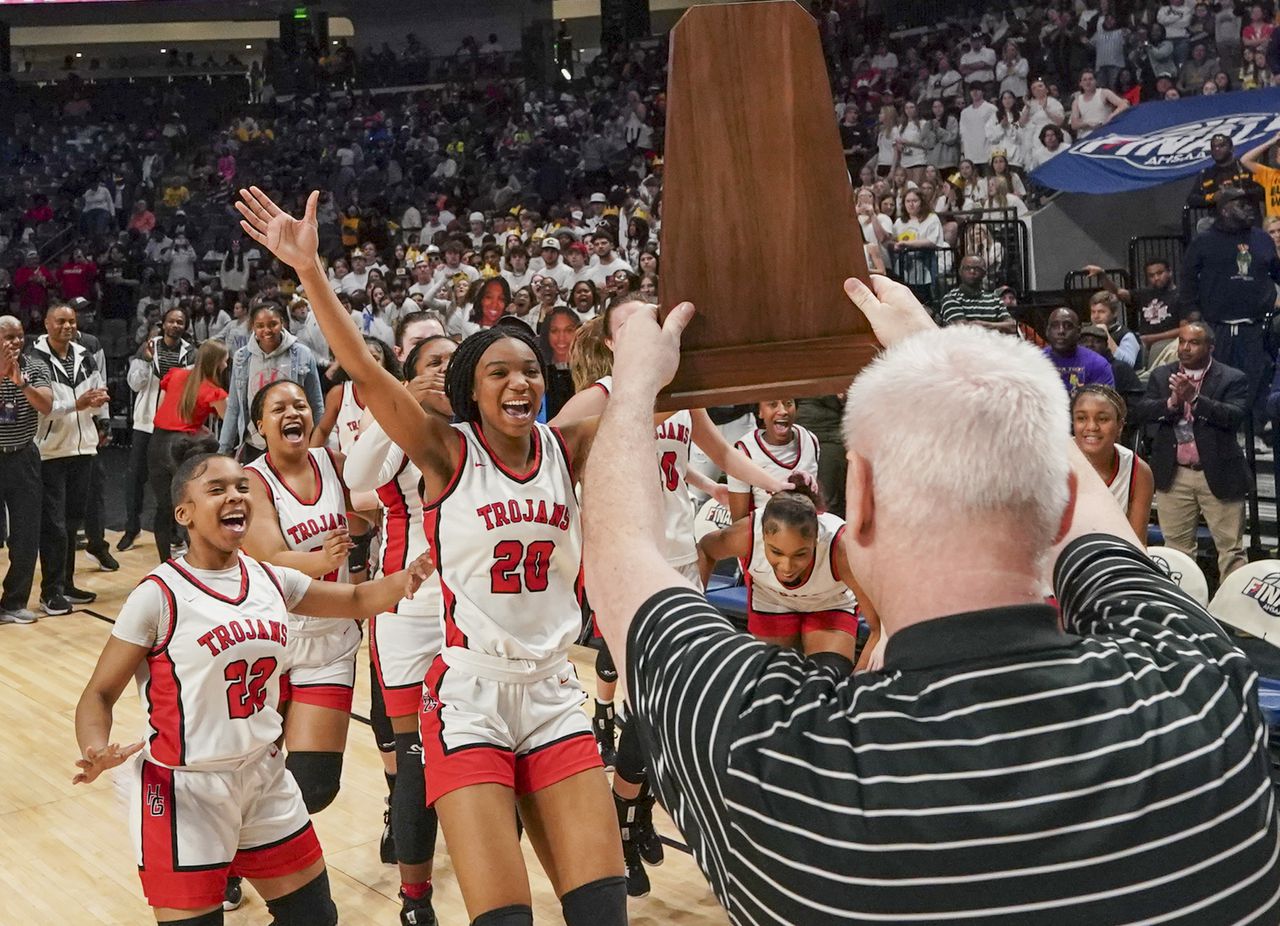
{"x": 1077, "y": 365}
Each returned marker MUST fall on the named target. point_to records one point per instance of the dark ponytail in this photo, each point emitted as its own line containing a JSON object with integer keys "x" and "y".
{"x": 189, "y": 457}
{"x": 797, "y": 508}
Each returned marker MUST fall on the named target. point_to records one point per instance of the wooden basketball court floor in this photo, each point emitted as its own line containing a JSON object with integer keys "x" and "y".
{"x": 65, "y": 854}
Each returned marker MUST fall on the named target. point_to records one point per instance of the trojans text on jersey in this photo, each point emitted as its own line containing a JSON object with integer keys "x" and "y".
{"x": 304, "y": 530}
{"x": 671, "y": 429}
{"x": 524, "y": 510}
{"x": 227, "y": 635}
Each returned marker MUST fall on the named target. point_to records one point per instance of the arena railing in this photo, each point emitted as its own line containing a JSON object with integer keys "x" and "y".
{"x": 1002, "y": 241}
{"x": 1080, "y": 287}
{"x": 1191, "y": 216}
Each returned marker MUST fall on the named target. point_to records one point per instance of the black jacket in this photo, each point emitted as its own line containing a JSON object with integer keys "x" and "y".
{"x": 1217, "y": 416}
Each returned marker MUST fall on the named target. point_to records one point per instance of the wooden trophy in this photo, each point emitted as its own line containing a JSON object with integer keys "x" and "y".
{"x": 758, "y": 227}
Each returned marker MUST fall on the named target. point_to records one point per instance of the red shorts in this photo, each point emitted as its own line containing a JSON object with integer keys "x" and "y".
{"x": 401, "y": 647}
{"x": 788, "y": 625}
{"x": 525, "y": 735}
{"x": 336, "y": 697}
{"x": 193, "y": 829}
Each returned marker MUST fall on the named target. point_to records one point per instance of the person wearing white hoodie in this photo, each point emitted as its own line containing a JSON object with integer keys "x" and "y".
{"x": 68, "y": 439}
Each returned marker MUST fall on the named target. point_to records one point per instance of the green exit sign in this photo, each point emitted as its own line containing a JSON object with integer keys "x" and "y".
{"x": 300, "y": 12}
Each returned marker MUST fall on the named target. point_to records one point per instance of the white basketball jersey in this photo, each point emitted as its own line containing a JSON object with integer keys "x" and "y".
{"x": 211, "y": 688}
{"x": 350, "y": 412}
{"x": 508, "y": 548}
{"x": 675, "y": 439}
{"x": 403, "y": 537}
{"x": 765, "y": 456}
{"x": 305, "y": 523}
{"x": 1121, "y": 481}
{"x": 820, "y": 590}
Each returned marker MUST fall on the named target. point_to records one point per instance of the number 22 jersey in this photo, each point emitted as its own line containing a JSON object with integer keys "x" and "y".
{"x": 508, "y": 549}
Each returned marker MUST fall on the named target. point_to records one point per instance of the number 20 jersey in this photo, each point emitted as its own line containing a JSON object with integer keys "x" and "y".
{"x": 508, "y": 549}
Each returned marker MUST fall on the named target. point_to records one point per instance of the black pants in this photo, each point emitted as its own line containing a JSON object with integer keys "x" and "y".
{"x": 20, "y": 492}
{"x": 1244, "y": 347}
{"x": 66, "y": 493}
{"x": 95, "y": 515}
{"x": 137, "y": 487}
{"x": 160, "y": 474}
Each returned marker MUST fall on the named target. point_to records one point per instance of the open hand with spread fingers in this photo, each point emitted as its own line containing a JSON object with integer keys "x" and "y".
{"x": 294, "y": 241}
{"x": 97, "y": 761}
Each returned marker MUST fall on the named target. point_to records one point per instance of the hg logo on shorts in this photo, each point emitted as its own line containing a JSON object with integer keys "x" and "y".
{"x": 155, "y": 800}
{"x": 429, "y": 703}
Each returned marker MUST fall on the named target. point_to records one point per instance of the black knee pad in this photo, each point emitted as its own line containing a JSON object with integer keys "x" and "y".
{"x": 600, "y": 903}
{"x": 606, "y": 671}
{"x": 318, "y": 774}
{"x": 514, "y": 915}
{"x": 630, "y": 766}
{"x": 212, "y": 918}
{"x": 383, "y": 736}
{"x": 413, "y": 822}
{"x": 835, "y": 662}
{"x": 309, "y": 905}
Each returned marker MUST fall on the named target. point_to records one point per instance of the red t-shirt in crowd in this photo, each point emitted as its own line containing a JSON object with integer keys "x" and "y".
{"x": 167, "y": 417}
{"x": 32, "y": 285}
{"x": 76, "y": 280}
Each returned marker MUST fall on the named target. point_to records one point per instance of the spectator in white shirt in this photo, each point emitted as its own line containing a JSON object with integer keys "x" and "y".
{"x": 422, "y": 274}
{"x": 974, "y": 119}
{"x": 607, "y": 262}
{"x": 453, "y": 264}
{"x": 552, "y": 264}
{"x": 477, "y": 233}
{"x": 1108, "y": 43}
{"x": 1042, "y": 109}
{"x": 99, "y": 210}
{"x": 978, "y": 64}
{"x": 358, "y": 278}
{"x": 181, "y": 259}
{"x": 945, "y": 82}
{"x": 410, "y": 224}
{"x": 1012, "y": 70}
{"x": 1046, "y": 146}
{"x": 884, "y": 59}
{"x": 1093, "y": 106}
{"x": 1175, "y": 16}
{"x": 515, "y": 267}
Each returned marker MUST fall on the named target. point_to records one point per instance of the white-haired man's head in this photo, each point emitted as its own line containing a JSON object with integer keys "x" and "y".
{"x": 8, "y": 322}
{"x": 962, "y": 432}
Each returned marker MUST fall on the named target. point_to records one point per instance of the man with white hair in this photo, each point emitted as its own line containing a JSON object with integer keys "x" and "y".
{"x": 1010, "y": 763}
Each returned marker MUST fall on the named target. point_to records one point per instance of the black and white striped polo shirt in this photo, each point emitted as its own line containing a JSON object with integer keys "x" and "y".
{"x": 999, "y": 770}
{"x": 18, "y": 417}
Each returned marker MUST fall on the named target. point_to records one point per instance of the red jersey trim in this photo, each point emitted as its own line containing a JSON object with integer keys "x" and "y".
{"x": 535, "y": 434}
{"x": 835, "y": 542}
{"x": 275, "y": 580}
{"x": 564, "y": 451}
{"x": 799, "y": 450}
{"x": 600, "y": 386}
{"x": 315, "y": 468}
{"x": 167, "y": 592}
{"x": 1115, "y": 469}
{"x": 453, "y": 480}
{"x": 167, "y": 742}
{"x": 240, "y": 597}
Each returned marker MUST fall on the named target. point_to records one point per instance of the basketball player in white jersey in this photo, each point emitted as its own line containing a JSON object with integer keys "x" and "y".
{"x": 800, "y": 593}
{"x": 781, "y": 447}
{"x": 339, "y": 426}
{"x": 403, "y": 644}
{"x": 205, "y": 636}
{"x": 1097, "y": 421}
{"x": 302, "y": 522}
{"x": 676, "y": 434}
{"x": 501, "y": 714}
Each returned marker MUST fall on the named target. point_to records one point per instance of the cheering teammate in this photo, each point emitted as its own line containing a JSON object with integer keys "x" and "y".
{"x": 402, "y": 645}
{"x": 302, "y": 507}
{"x": 501, "y": 717}
{"x": 205, "y": 636}
{"x": 632, "y": 797}
{"x": 781, "y": 447}
{"x": 800, "y": 592}
{"x": 1097, "y": 420}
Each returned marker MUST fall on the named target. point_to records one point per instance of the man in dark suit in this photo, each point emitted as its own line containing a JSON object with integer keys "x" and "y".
{"x": 1198, "y": 406}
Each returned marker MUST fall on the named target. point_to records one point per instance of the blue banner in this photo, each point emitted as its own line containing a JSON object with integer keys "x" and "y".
{"x": 1153, "y": 143}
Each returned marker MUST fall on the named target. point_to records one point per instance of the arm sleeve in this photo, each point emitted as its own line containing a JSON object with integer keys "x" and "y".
{"x": 143, "y": 615}
{"x": 1108, "y": 588}
{"x": 139, "y": 374}
{"x": 1227, "y": 412}
{"x": 1127, "y": 349}
{"x": 372, "y": 461}
{"x": 737, "y": 485}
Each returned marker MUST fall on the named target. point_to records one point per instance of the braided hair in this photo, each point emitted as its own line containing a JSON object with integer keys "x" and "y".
{"x": 460, "y": 380}
{"x": 1106, "y": 393}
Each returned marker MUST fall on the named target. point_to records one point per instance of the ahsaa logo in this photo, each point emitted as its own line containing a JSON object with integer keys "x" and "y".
{"x": 1266, "y": 592}
{"x": 1177, "y": 145}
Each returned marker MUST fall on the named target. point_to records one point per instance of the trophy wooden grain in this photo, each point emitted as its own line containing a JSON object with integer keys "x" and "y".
{"x": 758, "y": 229}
